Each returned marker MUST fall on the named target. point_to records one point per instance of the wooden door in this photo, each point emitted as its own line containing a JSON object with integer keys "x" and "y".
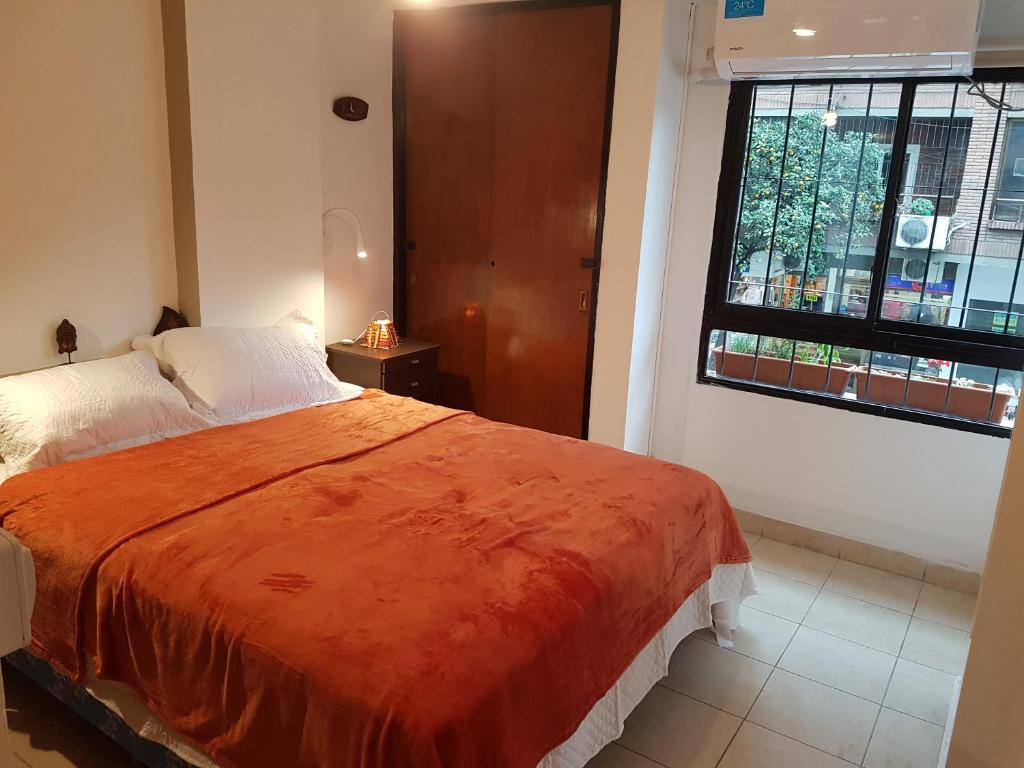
{"x": 503, "y": 137}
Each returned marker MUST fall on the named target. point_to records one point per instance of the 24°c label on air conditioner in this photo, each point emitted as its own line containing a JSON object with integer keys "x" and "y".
{"x": 738, "y": 9}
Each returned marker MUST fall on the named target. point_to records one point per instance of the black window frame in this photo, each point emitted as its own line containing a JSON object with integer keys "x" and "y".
{"x": 871, "y": 332}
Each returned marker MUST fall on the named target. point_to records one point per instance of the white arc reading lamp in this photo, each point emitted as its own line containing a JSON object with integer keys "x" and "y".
{"x": 354, "y": 224}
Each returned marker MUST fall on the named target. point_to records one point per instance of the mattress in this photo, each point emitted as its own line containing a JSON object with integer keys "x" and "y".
{"x": 17, "y": 593}
{"x": 715, "y": 603}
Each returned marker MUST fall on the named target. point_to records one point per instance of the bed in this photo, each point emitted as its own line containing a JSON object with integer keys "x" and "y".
{"x": 373, "y": 582}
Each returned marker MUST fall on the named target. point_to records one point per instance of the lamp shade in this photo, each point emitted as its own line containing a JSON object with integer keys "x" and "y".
{"x": 380, "y": 332}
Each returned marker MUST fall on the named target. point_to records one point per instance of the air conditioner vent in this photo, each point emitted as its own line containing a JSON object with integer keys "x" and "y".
{"x": 924, "y": 232}
{"x": 913, "y": 232}
{"x": 915, "y": 268}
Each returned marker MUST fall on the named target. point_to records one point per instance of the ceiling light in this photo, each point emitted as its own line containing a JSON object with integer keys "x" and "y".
{"x": 804, "y": 32}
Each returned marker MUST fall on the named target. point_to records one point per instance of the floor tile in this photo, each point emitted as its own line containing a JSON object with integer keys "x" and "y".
{"x": 760, "y": 635}
{"x": 946, "y": 606}
{"x": 920, "y": 691}
{"x": 901, "y": 741}
{"x": 839, "y": 663}
{"x": 886, "y": 589}
{"x": 815, "y": 714}
{"x": 866, "y": 623}
{"x": 716, "y": 676}
{"x": 26, "y": 701}
{"x": 614, "y": 756}
{"x": 936, "y": 645}
{"x": 757, "y": 747}
{"x": 782, "y": 597}
{"x": 792, "y": 562}
{"x": 677, "y": 731}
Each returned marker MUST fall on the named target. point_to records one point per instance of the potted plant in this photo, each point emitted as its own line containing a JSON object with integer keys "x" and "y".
{"x": 967, "y": 399}
{"x": 807, "y": 368}
{"x": 922, "y": 206}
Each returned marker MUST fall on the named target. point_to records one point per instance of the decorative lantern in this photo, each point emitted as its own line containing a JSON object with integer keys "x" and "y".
{"x": 380, "y": 333}
{"x": 67, "y": 339}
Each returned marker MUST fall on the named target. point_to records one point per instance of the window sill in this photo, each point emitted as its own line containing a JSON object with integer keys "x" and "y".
{"x": 1013, "y": 226}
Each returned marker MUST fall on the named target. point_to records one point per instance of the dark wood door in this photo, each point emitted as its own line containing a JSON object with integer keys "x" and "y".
{"x": 501, "y": 132}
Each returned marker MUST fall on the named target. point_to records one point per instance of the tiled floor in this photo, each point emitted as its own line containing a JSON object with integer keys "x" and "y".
{"x": 835, "y": 664}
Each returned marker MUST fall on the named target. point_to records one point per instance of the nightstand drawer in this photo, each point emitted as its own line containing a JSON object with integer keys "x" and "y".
{"x": 417, "y": 381}
{"x": 409, "y": 369}
{"x": 425, "y": 359}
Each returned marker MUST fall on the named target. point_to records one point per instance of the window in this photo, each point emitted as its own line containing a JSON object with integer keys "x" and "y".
{"x": 855, "y": 259}
{"x": 1009, "y": 202}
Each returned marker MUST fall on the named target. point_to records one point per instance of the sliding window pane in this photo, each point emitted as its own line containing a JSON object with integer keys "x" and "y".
{"x": 782, "y": 363}
{"x": 929, "y": 385}
{"x": 956, "y": 250}
{"x": 812, "y": 195}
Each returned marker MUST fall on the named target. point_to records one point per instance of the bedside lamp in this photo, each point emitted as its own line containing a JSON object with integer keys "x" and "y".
{"x": 380, "y": 333}
{"x": 354, "y": 224}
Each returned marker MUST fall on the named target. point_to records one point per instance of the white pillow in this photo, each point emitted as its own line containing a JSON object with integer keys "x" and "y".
{"x": 237, "y": 374}
{"x": 295, "y": 320}
{"x": 76, "y": 411}
{"x": 299, "y": 322}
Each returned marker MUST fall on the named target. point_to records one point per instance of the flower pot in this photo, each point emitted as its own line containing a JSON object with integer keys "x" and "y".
{"x": 810, "y": 377}
{"x": 885, "y": 388}
{"x": 928, "y": 393}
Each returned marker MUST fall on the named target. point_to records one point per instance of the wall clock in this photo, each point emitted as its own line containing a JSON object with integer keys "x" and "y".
{"x": 351, "y": 108}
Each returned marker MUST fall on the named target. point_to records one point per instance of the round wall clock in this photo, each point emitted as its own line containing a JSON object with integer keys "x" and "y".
{"x": 351, "y": 108}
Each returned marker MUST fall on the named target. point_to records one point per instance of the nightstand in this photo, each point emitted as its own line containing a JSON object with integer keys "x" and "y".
{"x": 410, "y": 369}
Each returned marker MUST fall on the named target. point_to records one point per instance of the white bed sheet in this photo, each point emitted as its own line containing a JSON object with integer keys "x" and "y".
{"x": 718, "y": 599}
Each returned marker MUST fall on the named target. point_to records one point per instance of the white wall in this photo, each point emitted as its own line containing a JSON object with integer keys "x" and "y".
{"x": 255, "y": 109}
{"x": 924, "y": 490}
{"x": 987, "y": 730}
{"x": 85, "y": 214}
{"x": 657, "y": 217}
{"x": 356, "y": 157}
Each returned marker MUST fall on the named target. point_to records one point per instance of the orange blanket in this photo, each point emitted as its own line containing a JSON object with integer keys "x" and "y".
{"x": 373, "y": 583}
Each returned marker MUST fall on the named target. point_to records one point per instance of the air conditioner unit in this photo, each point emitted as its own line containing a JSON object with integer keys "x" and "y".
{"x": 787, "y": 39}
{"x": 914, "y": 268}
{"x": 914, "y": 231}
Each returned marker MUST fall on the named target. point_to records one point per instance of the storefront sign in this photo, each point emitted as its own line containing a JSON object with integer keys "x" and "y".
{"x": 896, "y": 284}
